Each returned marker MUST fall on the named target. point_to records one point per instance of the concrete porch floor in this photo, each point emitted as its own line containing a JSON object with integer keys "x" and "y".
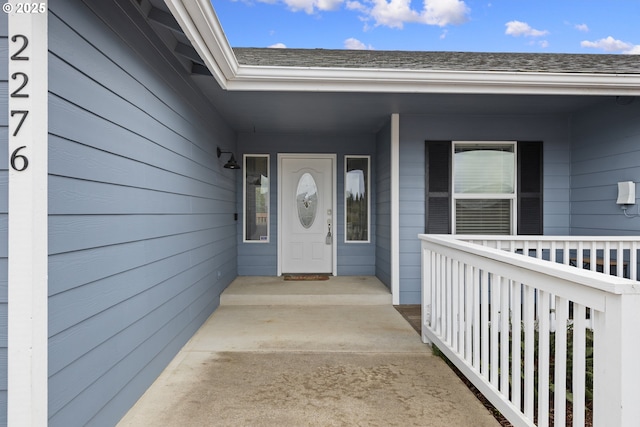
{"x": 317, "y": 353}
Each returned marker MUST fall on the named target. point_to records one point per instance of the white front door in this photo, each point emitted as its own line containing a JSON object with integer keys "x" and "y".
{"x": 306, "y": 195}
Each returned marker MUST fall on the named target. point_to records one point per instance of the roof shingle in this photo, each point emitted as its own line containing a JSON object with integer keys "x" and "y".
{"x": 440, "y": 61}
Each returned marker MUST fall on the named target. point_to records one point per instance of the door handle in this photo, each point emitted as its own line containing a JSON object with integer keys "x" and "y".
{"x": 329, "y": 237}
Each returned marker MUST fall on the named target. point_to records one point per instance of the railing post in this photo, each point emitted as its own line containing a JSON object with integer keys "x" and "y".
{"x": 426, "y": 290}
{"x": 616, "y": 368}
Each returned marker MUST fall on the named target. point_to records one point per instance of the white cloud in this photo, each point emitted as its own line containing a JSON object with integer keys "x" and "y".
{"x": 389, "y": 13}
{"x": 518, "y": 28}
{"x": 396, "y": 13}
{"x": 543, "y": 44}
{"x": 310, "y": 6}
{"x": 635, "y": 50}
{"x": 355, "y": 44}
{"x": 608, "y": 44}
{"x": 582, "y": 27}
{"x": 355, "y": 5}
{"x": 445, "y": 12}
{"x": 278, "y": 46}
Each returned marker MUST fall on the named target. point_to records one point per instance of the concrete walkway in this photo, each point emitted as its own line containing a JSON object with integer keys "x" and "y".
{"x": 325, "y": 353}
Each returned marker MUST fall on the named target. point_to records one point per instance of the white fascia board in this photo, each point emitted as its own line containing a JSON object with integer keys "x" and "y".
{"x": 200, "y": 24}
{"x": 427, "y": 81}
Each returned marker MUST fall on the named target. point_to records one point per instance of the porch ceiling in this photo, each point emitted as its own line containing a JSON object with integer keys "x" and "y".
{"x": 367, "y": 112}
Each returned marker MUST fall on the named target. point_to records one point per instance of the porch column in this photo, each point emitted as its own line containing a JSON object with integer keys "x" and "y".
{"x": 27, "y": 227}
{"x": 395, "y": 208}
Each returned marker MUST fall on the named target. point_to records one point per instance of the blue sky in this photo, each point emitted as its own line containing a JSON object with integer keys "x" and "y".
{"x": 554, "y": 26}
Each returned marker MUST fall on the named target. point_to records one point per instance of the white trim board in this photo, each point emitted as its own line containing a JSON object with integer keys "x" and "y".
{"x": 27, "y": 364}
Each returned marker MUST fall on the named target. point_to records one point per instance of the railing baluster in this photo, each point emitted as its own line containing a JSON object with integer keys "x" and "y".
{"x": 620, "y": 260}
{"x": 494, "y": 289}
{"x": 437, "y": 314}
{"x": 469, "y": 322}
{"x": 434, "y": 291}
{"x": 633, "y": 261}
{"x": 529, "y": 330}
{"x": 484, "y": 325}
{"x": 476, "y": 318}
{"x": 560, "y": 366}
{"x": 453, "y": 307}
{"x": 607, "y": 258}
{"x": 580, "y": 255}
{"x": 460, "y": 302}
{"x": 543, "y": 359}
{"x": 504, "y": 335}
{"x": 448, "y": 306}
{"x": 441, "y": 295}
{"x": 579, "y": 364}
{"x": 516, "y": 345}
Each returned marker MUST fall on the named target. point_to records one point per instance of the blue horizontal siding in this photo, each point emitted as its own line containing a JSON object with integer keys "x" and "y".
{"x": 383, "y": 205}
{"x": 604, "y": 151}
{"x": 142, "y": 238}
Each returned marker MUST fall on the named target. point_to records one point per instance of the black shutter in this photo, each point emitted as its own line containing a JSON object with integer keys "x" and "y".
{"x": 530, "y": 188}
{"x": 438, "y": 187}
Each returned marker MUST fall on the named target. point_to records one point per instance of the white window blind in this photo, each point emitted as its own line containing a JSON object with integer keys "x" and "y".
{"x": 483, "y": 169}
{"x": 483, "y": 216}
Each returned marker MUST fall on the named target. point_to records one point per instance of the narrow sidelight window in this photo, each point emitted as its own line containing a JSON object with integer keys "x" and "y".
{"x": 256, "y": 198}
{"x": 357, "y": 200}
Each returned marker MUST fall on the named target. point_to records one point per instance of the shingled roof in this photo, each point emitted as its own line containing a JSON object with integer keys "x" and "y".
{"x": 440, "y": 61}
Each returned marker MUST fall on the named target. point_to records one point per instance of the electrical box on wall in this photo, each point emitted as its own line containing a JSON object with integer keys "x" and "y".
{"x": 626, "y": 193}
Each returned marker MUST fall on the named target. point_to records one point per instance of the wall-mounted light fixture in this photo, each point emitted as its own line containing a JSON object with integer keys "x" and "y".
{"x": 231, "y": 163}
{"x": 626, "y": 196}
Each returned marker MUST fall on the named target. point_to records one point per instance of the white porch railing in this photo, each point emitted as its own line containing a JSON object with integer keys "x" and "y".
{"x": 490, "y": 312}
{"x": 609, "y": 255}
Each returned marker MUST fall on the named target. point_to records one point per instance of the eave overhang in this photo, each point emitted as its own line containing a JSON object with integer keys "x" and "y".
{"x": 201, "y": 25}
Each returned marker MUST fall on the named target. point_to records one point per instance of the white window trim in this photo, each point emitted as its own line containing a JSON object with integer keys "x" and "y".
{"x": 505, "y": 196}
{"x": 355, "y": 156}
{"x": 244, "y": 198}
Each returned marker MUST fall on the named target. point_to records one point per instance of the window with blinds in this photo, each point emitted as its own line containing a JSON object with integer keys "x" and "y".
{"x": 496, "y": 188}
{"x": 484, "y": 187}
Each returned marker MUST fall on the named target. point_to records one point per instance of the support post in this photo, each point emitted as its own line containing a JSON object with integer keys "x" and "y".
{"x": 616, "y": 369}
{"x": 395, "y": 208}
{"x": 426, "y": 290}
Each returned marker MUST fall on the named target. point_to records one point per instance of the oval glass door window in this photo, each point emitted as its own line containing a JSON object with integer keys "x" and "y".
{"x": 307, "y": 200}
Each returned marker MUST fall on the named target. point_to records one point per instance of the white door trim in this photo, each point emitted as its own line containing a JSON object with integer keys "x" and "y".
{"x": 334, "y": 203}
